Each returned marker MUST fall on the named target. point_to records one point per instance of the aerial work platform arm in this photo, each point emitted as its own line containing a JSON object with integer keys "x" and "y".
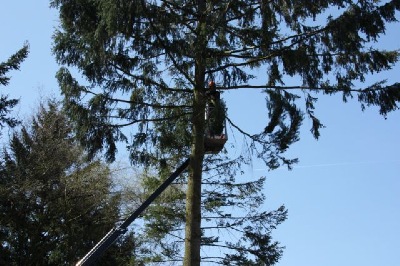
{"x": 121, "y": 229}
{"x": 214, "y": 141}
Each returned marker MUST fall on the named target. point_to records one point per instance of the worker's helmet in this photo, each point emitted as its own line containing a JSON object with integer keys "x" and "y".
{"x": 211, "y": 84}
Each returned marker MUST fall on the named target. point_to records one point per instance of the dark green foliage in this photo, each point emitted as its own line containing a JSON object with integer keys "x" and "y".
{"x": 228, "y": 208}
{"x": 163, "y": 222}
{"x": 54, "y": 203}
{"x": 147, "y": 51}
{"x": 386, "y": 97}
{"x": 13, "y": 63}
{"x": 6, "y": 104}
{"x": 233, "y": 208}
{"x": 281, "y": 108}
{"x": 145, "y": 65}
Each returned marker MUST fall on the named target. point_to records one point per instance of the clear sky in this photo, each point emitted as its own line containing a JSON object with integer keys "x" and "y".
{"x": 344, "y": 195}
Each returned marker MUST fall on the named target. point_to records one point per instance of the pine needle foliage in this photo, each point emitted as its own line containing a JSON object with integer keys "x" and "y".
{"x": 54, "y": 203}
{"x": 145, "y": 66}
{"x": 6, "y": 104}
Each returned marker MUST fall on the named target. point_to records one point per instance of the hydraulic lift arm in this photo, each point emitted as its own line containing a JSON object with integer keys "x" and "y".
{"x": 121, "y": 229}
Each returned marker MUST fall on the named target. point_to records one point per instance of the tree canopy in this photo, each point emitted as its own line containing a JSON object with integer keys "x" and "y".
{"x": 149, "y": 50}
{"x": 54, "y": 203}
{"x": 145, "y": 66}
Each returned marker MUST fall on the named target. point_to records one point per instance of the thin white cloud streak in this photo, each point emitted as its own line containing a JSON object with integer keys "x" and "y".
{"x": 331, "y": 165}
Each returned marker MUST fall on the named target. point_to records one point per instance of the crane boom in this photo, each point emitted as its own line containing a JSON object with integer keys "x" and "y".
{"x": 121, "y": 229}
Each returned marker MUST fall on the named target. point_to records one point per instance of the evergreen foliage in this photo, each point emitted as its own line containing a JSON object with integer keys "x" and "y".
{"x": 145, "y": 65}
{"x": 6, "y": 104}
{"x": 54, "y": 203}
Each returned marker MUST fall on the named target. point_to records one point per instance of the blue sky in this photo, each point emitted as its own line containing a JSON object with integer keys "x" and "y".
{"x": 343, "y": 196}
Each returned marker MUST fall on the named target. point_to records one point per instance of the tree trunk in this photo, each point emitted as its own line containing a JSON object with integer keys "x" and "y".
{"x": 193, "y": 196}
{"x": 193, "y": 199}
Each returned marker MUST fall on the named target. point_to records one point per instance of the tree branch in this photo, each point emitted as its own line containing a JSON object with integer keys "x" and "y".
{"x": 145, "y": 120}
{"x": 299, "y": 88}
{"x": 150, "y": 81}
{"x": 171, "y": 57}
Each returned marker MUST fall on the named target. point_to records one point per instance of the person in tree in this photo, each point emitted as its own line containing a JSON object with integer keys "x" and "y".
{"x": 215, "y": 111}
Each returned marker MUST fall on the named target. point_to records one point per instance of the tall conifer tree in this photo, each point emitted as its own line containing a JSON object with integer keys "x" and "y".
{"x": 146, "y": 65}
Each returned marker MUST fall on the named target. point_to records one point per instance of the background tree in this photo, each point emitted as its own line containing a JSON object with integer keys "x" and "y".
{"x": 146, "y": 64}
{"x": 6, "y": 104}
{"x": 54, "y": 203}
